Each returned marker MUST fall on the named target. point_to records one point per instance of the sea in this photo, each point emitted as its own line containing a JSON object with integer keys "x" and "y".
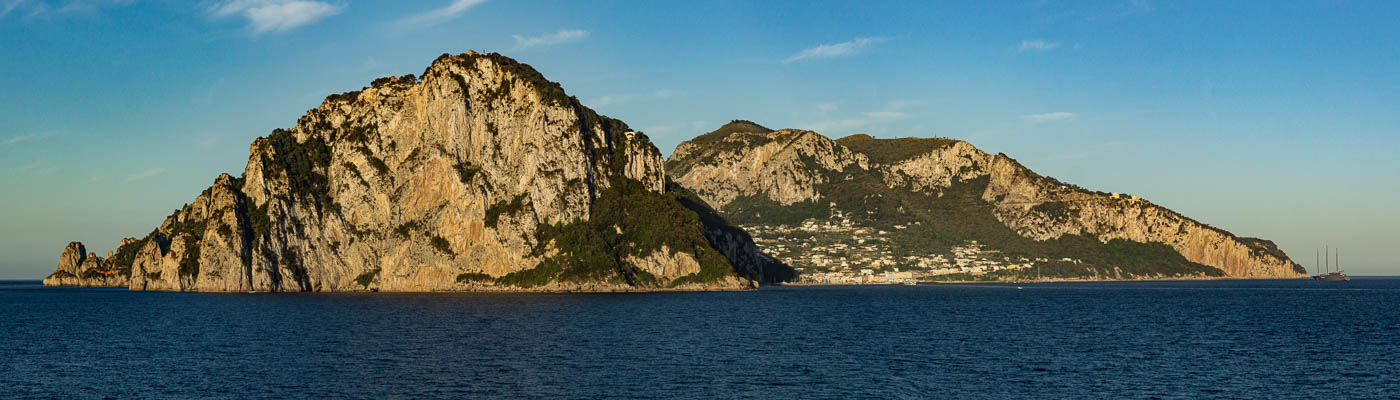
{"x": 1179, "y": 339}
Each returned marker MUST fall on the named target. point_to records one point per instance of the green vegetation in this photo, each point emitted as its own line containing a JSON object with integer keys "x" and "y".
{"x": 537, "y": 276}
{"x": 189, "y": 264}
{"x": 629, "y": 221}
{"x": 474, "y": 277}
{"x": 549, "y": 92}
{"x": 304, "y": 165}
{"x": 153, "y": 276}
{"x": 126, "y": 254}
{"x": 714, "y": 143}
{"x": 961, "y": 215}
{"x": 257, "y": 216}
{"x": 367, "y": 278}
{"x": 406, "y": 229}
{"x": 355, "y": 171}
{"x": 441, "y": 245}
{"x": 1057, "y": 210}
{"x": 890, "y": 151}
{"x": 494, "y": 212}
{"x": 347, "y": 97}
{"x": 760, "y": 209}
{"x": 361, "y": 133}
{"x": 466, "y": 171}
{"x": 378, "y": 164}
{"x": 735, "y": 126}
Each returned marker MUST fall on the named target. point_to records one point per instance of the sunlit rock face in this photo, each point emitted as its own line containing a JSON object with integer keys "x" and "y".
{"x": 477, "y": 175}
{"x": 748, "y": 171}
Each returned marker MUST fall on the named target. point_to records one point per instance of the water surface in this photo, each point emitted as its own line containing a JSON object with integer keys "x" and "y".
{"x": 1254, "y": 339}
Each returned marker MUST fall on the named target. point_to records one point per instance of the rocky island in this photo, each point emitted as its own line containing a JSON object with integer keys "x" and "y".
{"x": 860, "y": 209}
{"x": 479, "y": 174}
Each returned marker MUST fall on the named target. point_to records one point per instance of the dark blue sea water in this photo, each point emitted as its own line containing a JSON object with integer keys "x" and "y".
{"x": 1236, "y": 339}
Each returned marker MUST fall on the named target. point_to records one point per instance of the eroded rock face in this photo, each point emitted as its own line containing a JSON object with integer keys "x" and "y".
{"x": 480, "y": 176}
{"x": 77, "y": 267}
{"x": 744, "y": 162}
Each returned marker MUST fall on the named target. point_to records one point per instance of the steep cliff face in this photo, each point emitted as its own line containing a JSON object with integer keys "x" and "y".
{"x": 930, "y": 195}
{"x": 77, "y": 267}
{"x": 480, "y": 176}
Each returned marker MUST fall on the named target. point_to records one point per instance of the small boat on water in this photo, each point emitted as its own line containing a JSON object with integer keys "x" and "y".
{"x": 1330, "y": 275}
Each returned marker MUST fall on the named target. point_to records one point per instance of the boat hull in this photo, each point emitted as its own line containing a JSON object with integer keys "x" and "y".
{"x": 1332, "y": 277}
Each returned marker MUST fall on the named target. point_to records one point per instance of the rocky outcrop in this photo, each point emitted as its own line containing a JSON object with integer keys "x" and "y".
{"x": 77, "y": 267}
{"x": 481, "y": 175}
{"x": 746, "y": 169}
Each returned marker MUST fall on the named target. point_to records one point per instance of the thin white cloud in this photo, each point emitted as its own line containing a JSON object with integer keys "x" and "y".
{"x": 891, "y": 113}
{"x": 9, "y": 5}
{"x": 266, "y": 16}
{"x": 563, "y": 36}
{"x": 43, "y": 9}
{"x": 680, "y": 127}
{"x": 15, "y": 140}
{"x": 604, "y": 101}
{"x": 1048, "y": 117}
{"x": 440, "y": 15}
{"x": 1038, "y": 45}
{"x": 666, "y": 94}
{"x": 147, "y": 174}
{"x": 661, "y": 130}
{"x": 842, "y": 49}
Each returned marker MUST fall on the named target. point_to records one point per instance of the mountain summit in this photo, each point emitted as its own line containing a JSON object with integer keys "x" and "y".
{"x": 478, "y": 175}
{"x": 943, "y": 206}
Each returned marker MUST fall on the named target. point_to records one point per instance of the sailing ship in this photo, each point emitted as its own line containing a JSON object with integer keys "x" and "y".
{"x": 1330, "y": 275}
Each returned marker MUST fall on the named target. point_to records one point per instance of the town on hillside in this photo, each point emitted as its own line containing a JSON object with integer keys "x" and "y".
{"x": 836, "y": 251}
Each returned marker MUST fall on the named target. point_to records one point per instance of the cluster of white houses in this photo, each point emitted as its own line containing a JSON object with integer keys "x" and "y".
{"x": 835, "y": 251}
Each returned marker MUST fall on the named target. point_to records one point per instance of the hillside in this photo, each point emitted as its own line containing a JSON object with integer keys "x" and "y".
{"x": 479, "y": 174}
{"x": 945, "y": 210}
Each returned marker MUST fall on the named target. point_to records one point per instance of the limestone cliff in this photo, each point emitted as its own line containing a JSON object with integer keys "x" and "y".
{"x": 478, "y": 175}
{"x": 940, "y": 193}
{"x": 77, "y": 267}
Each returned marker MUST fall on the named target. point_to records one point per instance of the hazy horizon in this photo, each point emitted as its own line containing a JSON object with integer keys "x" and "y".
{"x": 1271, "y": 121}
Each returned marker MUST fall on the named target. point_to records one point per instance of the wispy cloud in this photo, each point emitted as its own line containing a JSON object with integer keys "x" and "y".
{"x": 147, "y": 174}
{"x": 9, "y": 5}
{"x": 892, "y": 112}
{"x": 266, "y": 16}
{"x": 604, "y": 101}
{"x": 1048, "y": 117}
{"x": 440, "y": 15}
{"x": 562, "y": 36}
{"x": 693, "y": 127}
{"x": 1038, "y": 45}
{"x": 43, "y": 9}
{"x": 842, "y": 49}
{"x": 15, "y": 140}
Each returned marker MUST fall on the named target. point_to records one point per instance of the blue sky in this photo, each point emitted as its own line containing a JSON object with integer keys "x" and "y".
{"x": 1275, "y": 121}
